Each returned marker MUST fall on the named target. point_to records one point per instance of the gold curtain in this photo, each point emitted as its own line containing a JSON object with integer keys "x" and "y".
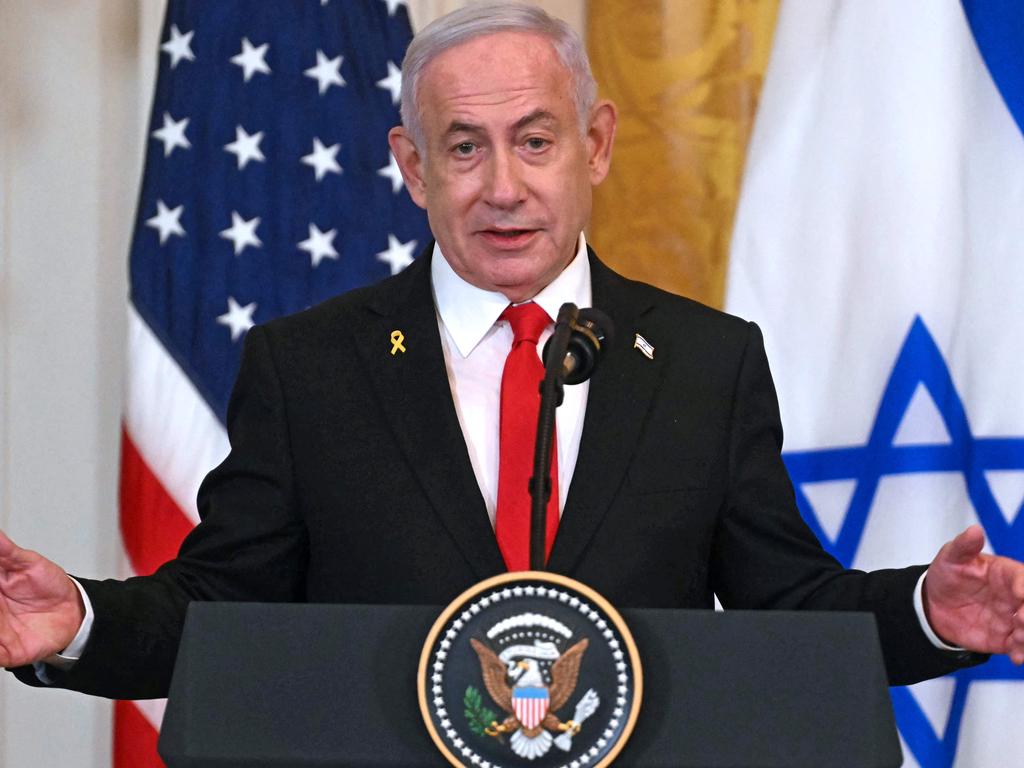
{"x": 686, "y": 76}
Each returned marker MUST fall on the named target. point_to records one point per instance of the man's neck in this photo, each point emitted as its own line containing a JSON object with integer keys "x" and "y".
{"x": 468, "y": 311}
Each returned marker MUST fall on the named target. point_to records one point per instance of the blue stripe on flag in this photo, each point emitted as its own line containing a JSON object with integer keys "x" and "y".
{"x": 998, "y": 29}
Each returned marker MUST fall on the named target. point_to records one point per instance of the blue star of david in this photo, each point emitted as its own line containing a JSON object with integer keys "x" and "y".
{"x": 919, "y": 362}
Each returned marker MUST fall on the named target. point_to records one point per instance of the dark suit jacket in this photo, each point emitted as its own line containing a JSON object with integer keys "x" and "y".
{"x": 349, "y": 481}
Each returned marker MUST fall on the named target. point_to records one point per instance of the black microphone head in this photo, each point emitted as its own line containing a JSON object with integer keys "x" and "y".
{"x": 591, "y": 334}
{"x": 599, "y": 324}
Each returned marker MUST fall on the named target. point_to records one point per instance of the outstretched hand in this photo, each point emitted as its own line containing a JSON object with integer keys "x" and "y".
{"x": 40, "y": 607}
{"x": 974, "y": 600}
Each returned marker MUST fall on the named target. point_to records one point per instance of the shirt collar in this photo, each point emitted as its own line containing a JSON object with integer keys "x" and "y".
{"x": 469, "y": 312}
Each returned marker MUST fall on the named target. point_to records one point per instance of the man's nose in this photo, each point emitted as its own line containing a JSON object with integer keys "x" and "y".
{"x": 506, "y": 186}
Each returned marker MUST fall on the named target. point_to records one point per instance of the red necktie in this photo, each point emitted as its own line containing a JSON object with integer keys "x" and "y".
{"x": 520, "y": 404}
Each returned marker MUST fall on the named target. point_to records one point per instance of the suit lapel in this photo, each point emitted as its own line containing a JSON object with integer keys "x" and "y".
{"x": 417, "y": 401}
{"x": 621, "y": 392}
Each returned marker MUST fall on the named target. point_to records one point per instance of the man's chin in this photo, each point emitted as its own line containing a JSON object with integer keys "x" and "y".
{"x": 520, "y": 285}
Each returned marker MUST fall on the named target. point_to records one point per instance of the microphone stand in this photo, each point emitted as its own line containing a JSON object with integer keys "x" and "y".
{"x": 550, "y": 398}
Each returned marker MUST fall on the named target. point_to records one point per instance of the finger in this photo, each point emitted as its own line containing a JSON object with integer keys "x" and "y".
{"x": 1005, "y": 580}
{"x": 13, "y": 557}
{"x": 965, "y": 547}
{"x": 1017, "y": 587}
{"x": 6, "y": 545}
{"x": 8, "y": 552}
{"x": 1000, "y": 634}
{"x": 1016, "y": 648}
{"x": 1015, "y": 640}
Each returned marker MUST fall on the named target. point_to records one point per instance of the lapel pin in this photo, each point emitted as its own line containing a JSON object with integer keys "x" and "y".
{"x": 644, "y": 346}
{"x": 397, "y": 337}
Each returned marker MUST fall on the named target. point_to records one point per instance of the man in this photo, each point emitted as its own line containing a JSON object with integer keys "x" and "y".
{"x": 365, "y": 469}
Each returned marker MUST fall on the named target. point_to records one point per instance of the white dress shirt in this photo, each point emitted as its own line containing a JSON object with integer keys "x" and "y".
{"x": 476, "y": 343}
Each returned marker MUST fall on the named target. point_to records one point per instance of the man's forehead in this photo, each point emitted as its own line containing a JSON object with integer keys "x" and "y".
{"x": 494, "y": 61}
{"x": 516, "y": 44}
{"x": 516, "y": 72}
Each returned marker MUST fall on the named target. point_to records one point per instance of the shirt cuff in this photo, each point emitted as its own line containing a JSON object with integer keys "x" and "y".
{"x": 923, "y": 618}
{"x": 66, "y": 659}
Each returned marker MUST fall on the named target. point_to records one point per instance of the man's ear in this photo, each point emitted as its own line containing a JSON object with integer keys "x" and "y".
{"x": 410, "y": 162}
{"x": 600, "y": 138}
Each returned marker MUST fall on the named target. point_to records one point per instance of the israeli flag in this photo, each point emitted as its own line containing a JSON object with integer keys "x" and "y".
{"x": 879, "y": 242}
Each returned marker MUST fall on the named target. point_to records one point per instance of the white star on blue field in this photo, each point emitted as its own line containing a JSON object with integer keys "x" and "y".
{"x": 919, "y": 363}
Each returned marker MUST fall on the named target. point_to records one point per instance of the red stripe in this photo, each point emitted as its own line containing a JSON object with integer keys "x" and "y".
{"x": 530, "y": 711}
{"x": 134, "y": 738}
{"x": 152, "y": 525}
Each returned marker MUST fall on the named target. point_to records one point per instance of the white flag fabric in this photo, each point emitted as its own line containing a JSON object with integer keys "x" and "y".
{"x": 879, "y": 242}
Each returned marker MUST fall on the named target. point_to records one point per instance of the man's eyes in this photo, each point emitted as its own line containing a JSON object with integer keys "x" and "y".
{"x": 468, "y": 148}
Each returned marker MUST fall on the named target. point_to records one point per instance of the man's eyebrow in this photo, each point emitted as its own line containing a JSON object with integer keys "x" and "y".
{"x": 537, "y": 116}
{"x": 457, "y": 127}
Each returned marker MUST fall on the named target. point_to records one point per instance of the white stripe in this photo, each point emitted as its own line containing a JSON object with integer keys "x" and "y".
{"x": 152, "y": 710}
{"x": 173, "y": 428}
{"x": 879, "y": 187}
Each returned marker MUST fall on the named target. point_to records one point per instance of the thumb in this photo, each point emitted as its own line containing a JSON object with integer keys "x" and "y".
{"x": 965, "y": 547}
{"x": 13, "y": 557}
{"x": 9, "y": 551}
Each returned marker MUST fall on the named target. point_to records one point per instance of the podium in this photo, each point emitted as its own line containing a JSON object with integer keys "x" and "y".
{"x": 296, "y": 686}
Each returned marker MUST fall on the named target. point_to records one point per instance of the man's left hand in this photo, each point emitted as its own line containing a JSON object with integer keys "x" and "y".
{"x": 974, "y": 600}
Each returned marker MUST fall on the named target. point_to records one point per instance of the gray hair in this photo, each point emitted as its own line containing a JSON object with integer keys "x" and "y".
{"x": 487, "y": 18}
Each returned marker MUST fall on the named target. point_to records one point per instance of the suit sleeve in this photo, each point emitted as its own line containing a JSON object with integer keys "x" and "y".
{"x": 250, "y": 545}
{"x": 765, "y": 556}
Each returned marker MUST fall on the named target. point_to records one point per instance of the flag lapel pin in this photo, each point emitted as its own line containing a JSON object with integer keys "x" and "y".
{"x": 645, "y": 347}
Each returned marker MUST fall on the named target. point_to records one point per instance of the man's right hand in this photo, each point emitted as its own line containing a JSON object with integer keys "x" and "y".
{"x": 40, "y": 607}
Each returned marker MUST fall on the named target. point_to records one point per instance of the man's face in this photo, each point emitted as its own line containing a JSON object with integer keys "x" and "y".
{"x": 505, "y": 172}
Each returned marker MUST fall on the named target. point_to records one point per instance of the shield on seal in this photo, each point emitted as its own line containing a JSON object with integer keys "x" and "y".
{"x": 530, "y": 705}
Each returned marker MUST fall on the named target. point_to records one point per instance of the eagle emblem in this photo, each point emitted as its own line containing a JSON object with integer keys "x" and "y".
{"x": 531, "y": 682}
{"x": 529, "y": 668}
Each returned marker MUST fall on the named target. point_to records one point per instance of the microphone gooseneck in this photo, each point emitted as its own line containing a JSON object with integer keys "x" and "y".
{"x": 571, "y": 356}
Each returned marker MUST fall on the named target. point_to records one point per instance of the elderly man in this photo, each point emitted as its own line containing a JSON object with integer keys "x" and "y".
{"x": 358, "y": 474}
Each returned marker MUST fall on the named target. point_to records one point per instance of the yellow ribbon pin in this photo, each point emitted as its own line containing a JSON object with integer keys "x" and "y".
{"x": 397, "y": 337}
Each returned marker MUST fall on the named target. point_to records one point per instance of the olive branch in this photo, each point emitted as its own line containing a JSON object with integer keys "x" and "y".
{"x": 479, "y": 716}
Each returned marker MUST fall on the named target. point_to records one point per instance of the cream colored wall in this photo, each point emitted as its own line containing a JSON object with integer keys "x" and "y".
{"x": 76, "y": 78}
{"x": 71, "y": 134}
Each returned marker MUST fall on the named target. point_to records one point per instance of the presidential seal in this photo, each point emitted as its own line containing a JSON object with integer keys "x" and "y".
{"x": 530, "y": 669}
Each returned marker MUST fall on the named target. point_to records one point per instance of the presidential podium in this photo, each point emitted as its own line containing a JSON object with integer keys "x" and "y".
{"x": 292, "y": 686}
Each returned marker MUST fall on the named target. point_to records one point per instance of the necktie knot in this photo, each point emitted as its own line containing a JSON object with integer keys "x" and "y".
{"x": 528, "y": 321}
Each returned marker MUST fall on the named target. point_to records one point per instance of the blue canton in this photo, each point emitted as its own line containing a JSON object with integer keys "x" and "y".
{"x": 920, "y": 362}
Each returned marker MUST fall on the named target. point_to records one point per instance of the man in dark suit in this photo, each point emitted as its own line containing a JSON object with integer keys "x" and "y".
{"x": 365, "y": 432}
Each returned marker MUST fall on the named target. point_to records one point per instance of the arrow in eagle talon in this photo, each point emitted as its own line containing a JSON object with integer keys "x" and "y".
{"x": 584, "y": 709}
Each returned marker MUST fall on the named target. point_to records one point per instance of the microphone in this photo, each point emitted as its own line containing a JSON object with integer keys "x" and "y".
{"x": 590, "y": 331}
{"x": 570, "y": 356}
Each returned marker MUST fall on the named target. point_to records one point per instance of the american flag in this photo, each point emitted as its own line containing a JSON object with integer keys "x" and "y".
{"x": 268, "y": 187}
